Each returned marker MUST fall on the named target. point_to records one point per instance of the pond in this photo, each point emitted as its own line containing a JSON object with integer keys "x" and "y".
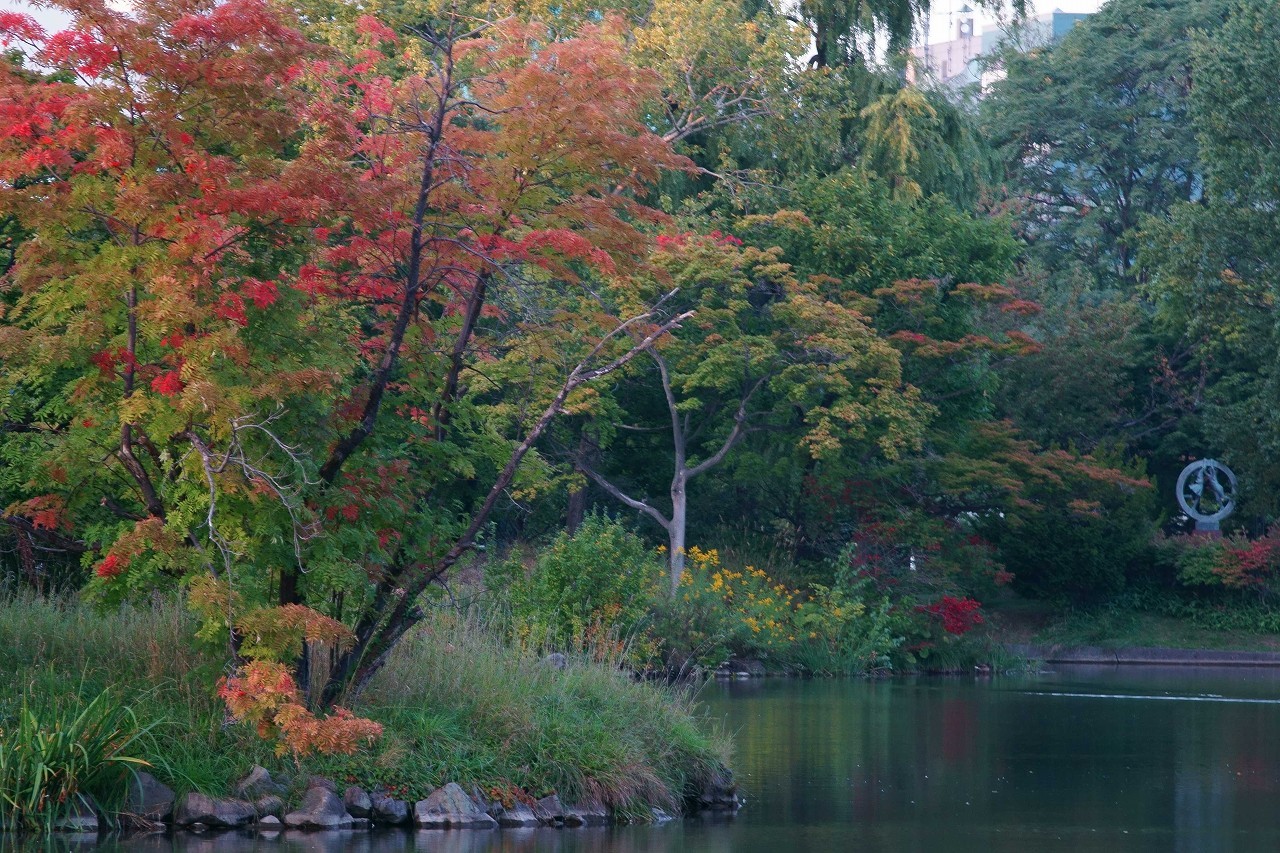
{"x": 1077, "y": 759}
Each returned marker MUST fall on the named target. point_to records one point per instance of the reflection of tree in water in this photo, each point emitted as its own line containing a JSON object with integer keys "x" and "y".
{"x": 710, "y": 838}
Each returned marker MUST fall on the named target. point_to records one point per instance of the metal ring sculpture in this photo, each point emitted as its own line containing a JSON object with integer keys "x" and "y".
{"x": 1207, "y": 491}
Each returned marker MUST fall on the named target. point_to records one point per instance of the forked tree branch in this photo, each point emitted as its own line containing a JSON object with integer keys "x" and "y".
{"x": 639, "y": 505}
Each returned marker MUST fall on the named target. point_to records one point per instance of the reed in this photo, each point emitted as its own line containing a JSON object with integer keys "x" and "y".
{"x": 58, "y": 760}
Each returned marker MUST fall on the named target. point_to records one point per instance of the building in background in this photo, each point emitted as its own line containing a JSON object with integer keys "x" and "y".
{"x": 956, "y": 63}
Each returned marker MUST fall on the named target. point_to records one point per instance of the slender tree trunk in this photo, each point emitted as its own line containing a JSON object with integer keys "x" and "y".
{"x": 676, "y": 529}
{"x": 395, "y": 610}
{"x": 576, "y": 511}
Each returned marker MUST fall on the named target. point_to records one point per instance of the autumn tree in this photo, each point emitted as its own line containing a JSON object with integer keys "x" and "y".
{"x": 761, "y": 347}
{"x": 262, "y": 276}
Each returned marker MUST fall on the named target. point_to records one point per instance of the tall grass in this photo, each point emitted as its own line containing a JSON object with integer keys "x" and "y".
{"x": 60, "y": 760}
{"x": 457, "y": 702}
{"x": 61, "y": 654}
{"x": 460, "y": 704}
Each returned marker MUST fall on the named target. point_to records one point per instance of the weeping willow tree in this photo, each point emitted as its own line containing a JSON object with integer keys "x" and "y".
{"x": 846, "y": 32}
{"x": 838, "y": 25}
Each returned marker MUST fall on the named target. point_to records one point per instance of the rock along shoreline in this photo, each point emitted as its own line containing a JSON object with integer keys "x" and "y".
{"x": 259, "y": 802}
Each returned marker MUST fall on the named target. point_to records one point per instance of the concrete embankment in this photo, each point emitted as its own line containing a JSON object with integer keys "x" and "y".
{"x": 1146, "y": 656}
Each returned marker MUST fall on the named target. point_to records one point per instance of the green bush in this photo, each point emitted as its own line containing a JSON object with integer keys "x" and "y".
{"x": 590, "y": 590}
{"x": 1082, "y": 540}
{"x": 720, "y": 612}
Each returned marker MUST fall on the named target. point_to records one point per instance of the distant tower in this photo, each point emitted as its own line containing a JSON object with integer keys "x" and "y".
{"x": 964, "y": 29}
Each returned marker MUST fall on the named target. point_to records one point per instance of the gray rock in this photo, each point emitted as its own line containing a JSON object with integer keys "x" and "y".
{"x": 83, "y": 817}
{"x": 482, "y": 802}
{"x": 587, "y": 815}
{"x": 198, "y": 808}
{"x": 257, "y": 784}
{"x": 518, "y": 815}
{"x": 269, "y": 821}
{"x": 659, "y": 816}
{"x": 322, "y": 782}
{"x": 357, "y": 802}
{"x": 389, "y": 811}
{"x": 149, "y": 798}
{"x": 549, "y": 811}
{"x": 746, "y": 667}
{"x": 269, "y": 805}
{"x": 720, "y": 793}
{"x": 450, "y": 807}
{"x": 320, "y": 809}
{"x": 361, "y": 823}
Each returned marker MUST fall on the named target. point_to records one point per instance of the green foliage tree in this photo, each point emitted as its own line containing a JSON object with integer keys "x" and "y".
{"x": 761, "y": 347}
{"x": 1217, "y": 260}
{"x": 1094, "y": 132}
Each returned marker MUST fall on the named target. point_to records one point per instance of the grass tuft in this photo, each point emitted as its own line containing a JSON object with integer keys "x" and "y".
{"x": 459, "y": 704}
{"x": 60, "y": 759}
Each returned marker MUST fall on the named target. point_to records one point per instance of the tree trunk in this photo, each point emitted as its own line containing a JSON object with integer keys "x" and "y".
{"x": 577, "y": 509}
{"x": 676, "y": 530}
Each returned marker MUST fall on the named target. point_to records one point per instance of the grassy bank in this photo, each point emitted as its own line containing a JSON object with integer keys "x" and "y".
{"x": 1143, "y": 622}
{"x": 457, "y": 704}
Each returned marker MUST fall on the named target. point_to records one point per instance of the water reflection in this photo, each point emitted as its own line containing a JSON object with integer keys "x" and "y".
{"x": 1086, "y": 758}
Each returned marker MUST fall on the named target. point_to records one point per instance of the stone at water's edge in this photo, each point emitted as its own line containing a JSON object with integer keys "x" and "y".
{"x": 549, "y": 811}
{"x": 320, "y": 809}
{"x": 269, "y": 805}
{"x": 587, "y": 815}
{"x": 518, "y": 815}
{"x": 257, "y": 784}
{"x": 322, "y": 782}
{"x": 720, "y": 793}
{"x": 357, "y": 802}
{"x": 389, "y": 811}
{"x": 197, "y": 808}
{"x": 450, "y": 807}
{"x": 82, "y": 818}
{"x": 149, "y": 798}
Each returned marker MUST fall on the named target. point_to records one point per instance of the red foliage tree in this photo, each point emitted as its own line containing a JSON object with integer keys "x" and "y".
{"x": 262, "y": 275}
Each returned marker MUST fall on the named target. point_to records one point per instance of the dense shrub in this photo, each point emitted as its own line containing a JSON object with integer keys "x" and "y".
{"x": 720, "y": 611}
{"x": 1081, "y": 540}
{"x": 590, "y": 590}
{"x": 1234, "y": 562}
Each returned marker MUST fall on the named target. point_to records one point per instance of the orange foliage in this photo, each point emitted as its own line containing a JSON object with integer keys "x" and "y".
{"x": 264, "y": 694}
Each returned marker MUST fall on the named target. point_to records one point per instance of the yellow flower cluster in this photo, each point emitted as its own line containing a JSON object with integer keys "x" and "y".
{"x": 761, "y": 613}
{"x": 766, "y": 610}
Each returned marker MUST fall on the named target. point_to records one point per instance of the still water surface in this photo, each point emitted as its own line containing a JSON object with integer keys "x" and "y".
{"x": 1079, "y": 759}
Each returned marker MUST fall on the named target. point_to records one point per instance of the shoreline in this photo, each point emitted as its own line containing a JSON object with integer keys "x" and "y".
{"x": 1140, "y": 655}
